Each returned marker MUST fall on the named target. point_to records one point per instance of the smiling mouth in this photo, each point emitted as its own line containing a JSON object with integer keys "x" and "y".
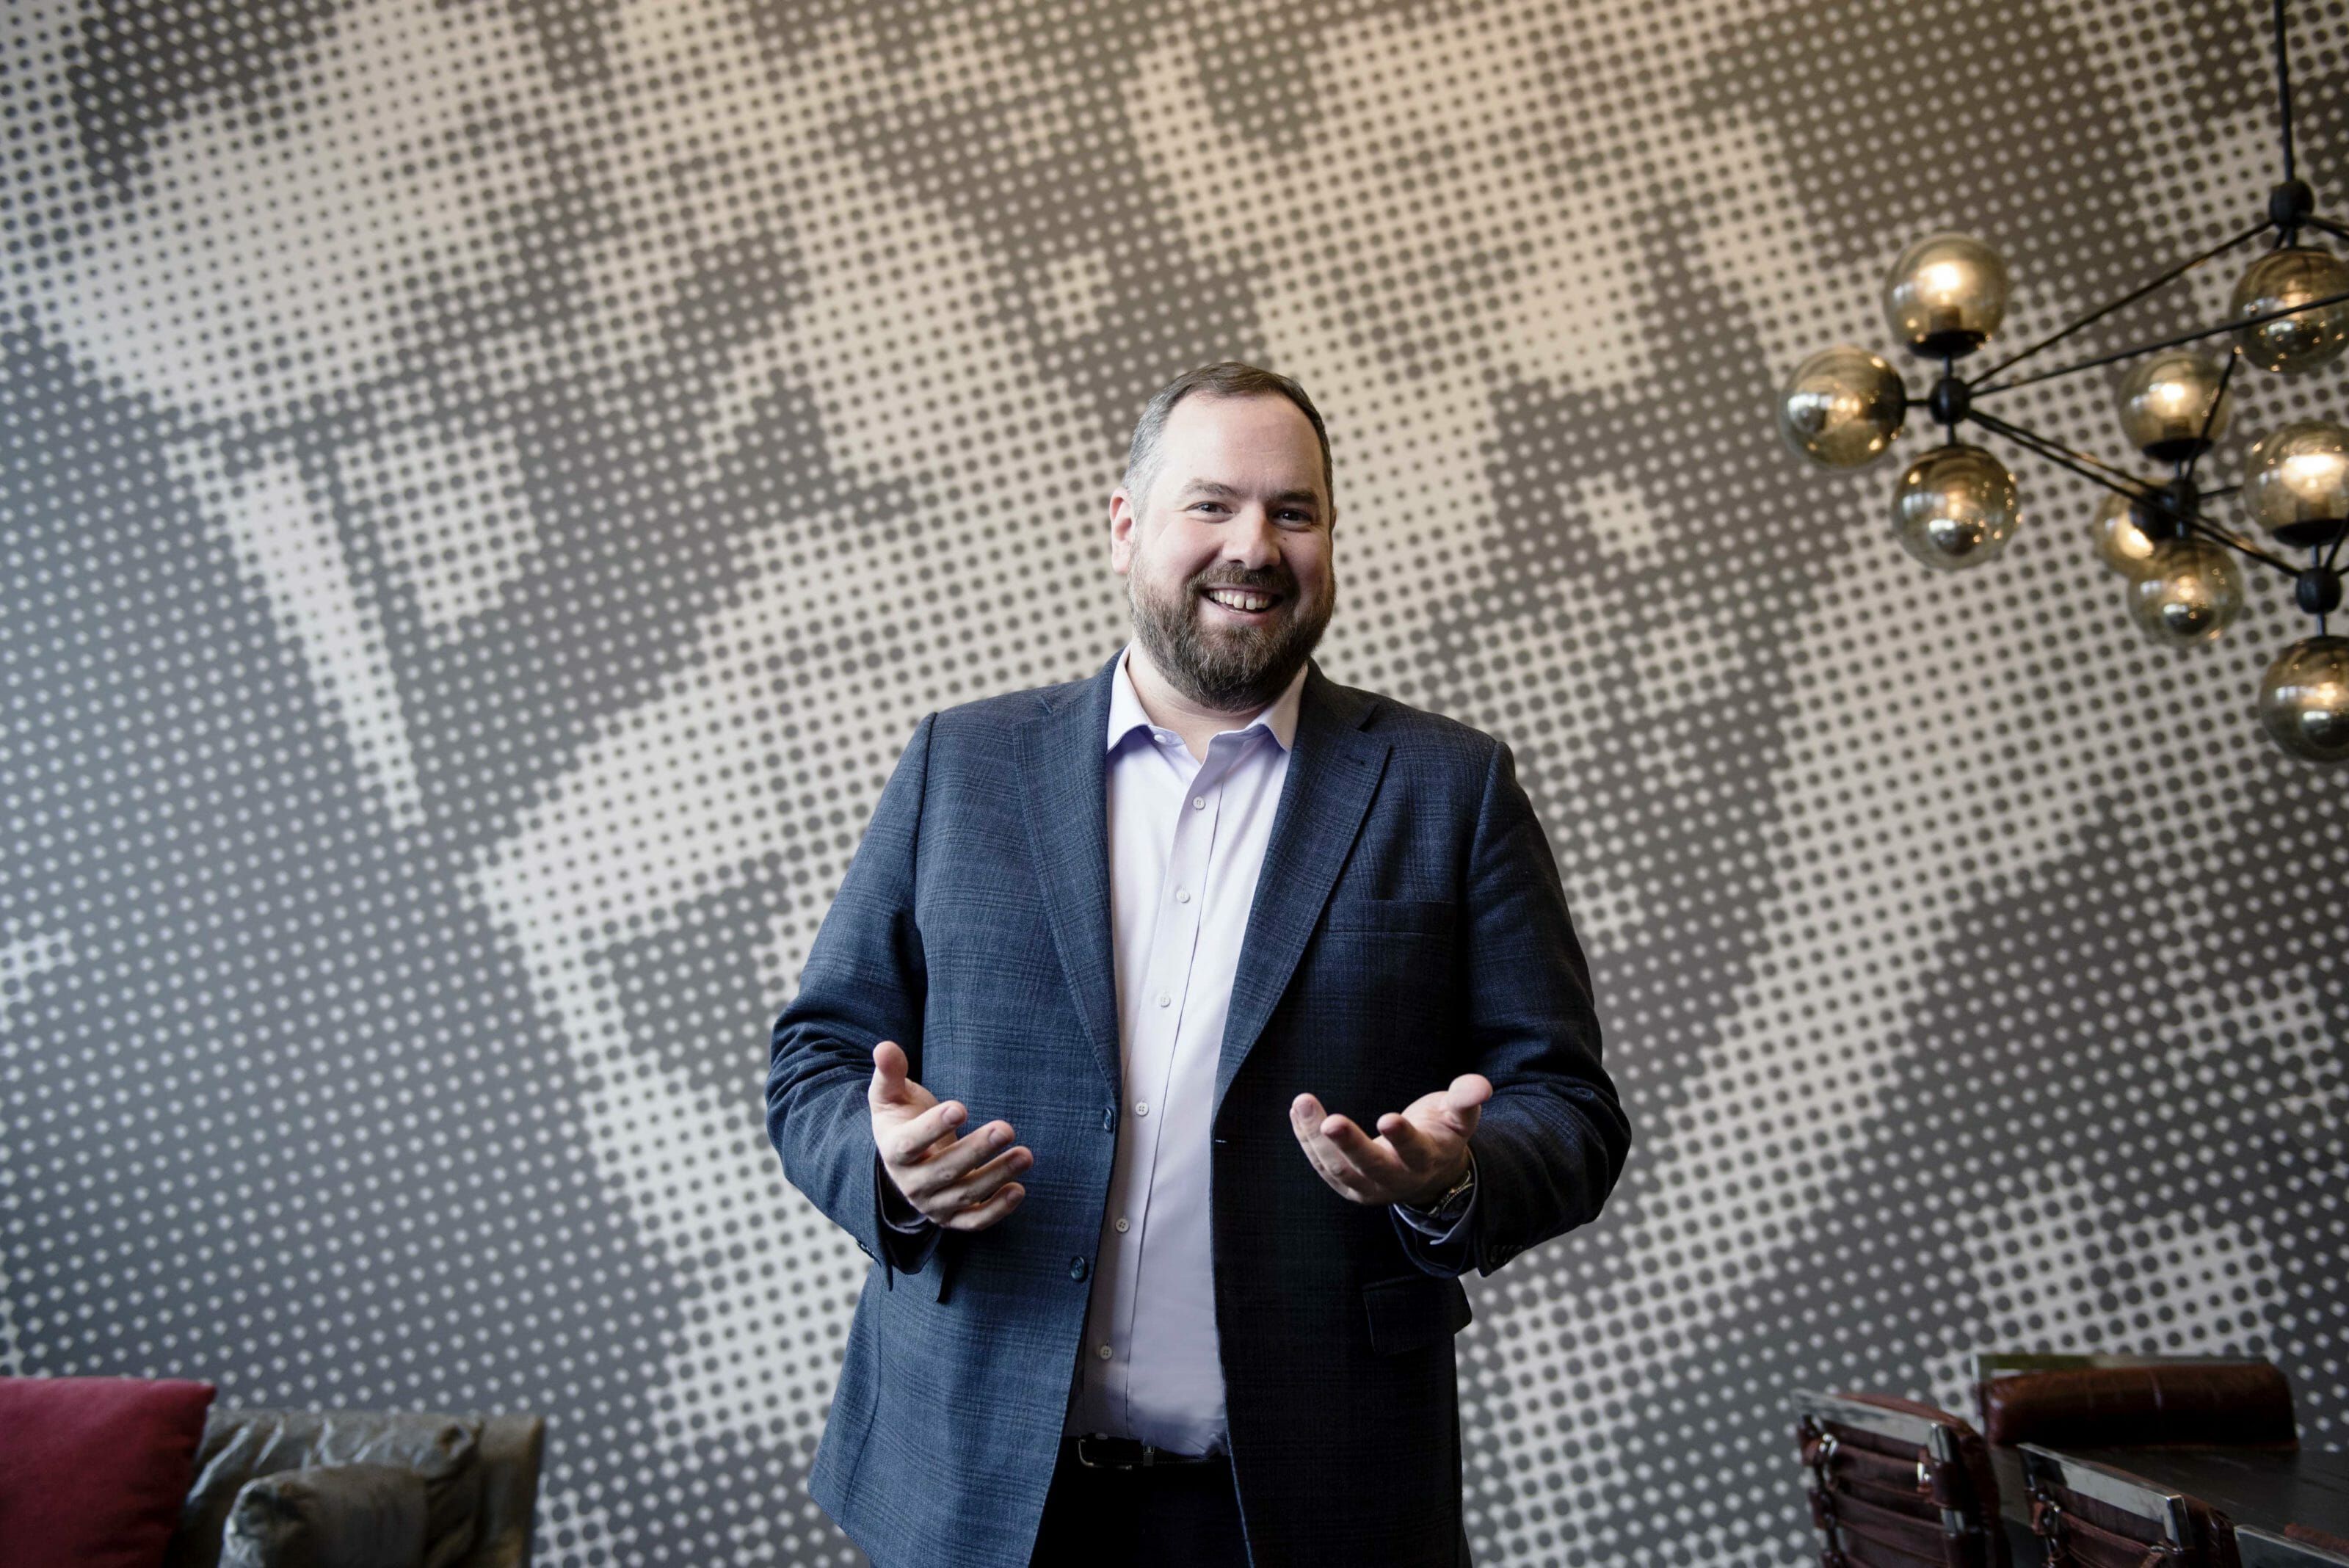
{"x": 1245, "y": 602}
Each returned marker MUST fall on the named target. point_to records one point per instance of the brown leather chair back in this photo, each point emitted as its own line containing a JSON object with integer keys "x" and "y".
{"x": 2087, "y": 1515}
{"x": 1896, "y": 1484}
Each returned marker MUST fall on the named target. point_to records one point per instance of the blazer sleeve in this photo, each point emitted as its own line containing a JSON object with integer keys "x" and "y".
{"x": 1552, "y": 1140}
{"x": 865, "y": 981}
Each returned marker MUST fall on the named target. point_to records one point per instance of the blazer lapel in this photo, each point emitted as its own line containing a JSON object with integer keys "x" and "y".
{"x": 1063, "y": 758}
{"x": 1333, "y": 772}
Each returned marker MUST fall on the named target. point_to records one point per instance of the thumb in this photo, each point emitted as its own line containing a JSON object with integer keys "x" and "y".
{"x": 1467, "y": 1093}
{"x": 888, "y": 1086}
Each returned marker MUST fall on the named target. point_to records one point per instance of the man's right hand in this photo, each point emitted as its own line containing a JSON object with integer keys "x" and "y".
{"x": 961, "y": 1180}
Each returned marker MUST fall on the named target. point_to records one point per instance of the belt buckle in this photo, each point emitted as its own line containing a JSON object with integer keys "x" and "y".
{"x": 1105, "y": 1463}
{"x": 1094, "y": 1447}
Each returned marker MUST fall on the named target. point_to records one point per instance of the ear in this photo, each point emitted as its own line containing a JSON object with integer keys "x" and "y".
{"x": 1123, "y": 522}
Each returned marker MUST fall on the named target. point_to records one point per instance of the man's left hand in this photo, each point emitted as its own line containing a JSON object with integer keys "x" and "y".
{"x": 1417, "y": 1155}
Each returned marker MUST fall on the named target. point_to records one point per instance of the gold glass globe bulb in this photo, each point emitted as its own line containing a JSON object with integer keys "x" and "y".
{"x": 1842, "y": 407}
{"x": 1945, "y": 294}
{"x": 2296, "y": 482}
{"x": 2188, "y": 592}
{"x": 2284, "y": 279}
{"x": 2305, "y": 700}
{"x": 2120, "y": 543}
{"x": 1955, "y": 507}
{"x": 2165, "y": 400}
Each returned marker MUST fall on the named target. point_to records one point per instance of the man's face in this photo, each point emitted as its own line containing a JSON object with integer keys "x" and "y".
{"x": 1227, "y": 558}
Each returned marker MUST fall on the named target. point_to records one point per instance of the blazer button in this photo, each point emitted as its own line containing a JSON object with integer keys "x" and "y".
{"x": 1108, "y": 1118}
{"x": 1077, "y": 1268}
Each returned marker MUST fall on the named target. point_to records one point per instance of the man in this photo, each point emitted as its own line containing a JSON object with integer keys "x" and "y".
{"x": 1184, "y": 933}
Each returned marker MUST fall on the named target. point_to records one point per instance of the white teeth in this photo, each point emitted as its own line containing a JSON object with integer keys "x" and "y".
{"x": 1232, "y": 598}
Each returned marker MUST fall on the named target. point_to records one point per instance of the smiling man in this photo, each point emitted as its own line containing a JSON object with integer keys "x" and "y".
{"x": 1176, "y": 939}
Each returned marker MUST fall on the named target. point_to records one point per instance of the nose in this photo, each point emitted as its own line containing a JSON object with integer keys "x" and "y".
{"x": 1251, "y": 540}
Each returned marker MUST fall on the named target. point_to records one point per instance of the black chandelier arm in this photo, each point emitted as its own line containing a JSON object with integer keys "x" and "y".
{"x": 2172, "y": 275}
{"x": 2183, "y": 338}
{"x": 2211, "y": 414}
{"x": 2087, "y": 467}
{"x": 2079, "y": 462}
{"x": 2241, "y": 545}
{"x": 2328, "y": 225}
{"x": 2283, "y": 93}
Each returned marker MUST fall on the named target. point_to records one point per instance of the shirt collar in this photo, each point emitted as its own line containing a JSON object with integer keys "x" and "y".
{"x": 1277, "y": 718}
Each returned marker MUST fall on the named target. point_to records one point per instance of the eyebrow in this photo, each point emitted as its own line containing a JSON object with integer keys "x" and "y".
{"x": 1211, "y": 487}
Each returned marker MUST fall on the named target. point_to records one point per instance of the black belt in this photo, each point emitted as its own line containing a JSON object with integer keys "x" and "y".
{"x": 1100, "y": 1453}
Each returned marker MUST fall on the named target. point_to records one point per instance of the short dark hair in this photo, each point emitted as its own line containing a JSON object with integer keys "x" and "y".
{"x": 1223, "y": 379}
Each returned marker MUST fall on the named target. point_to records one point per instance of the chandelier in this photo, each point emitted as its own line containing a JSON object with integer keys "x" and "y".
{"x": 1957, "y": 505}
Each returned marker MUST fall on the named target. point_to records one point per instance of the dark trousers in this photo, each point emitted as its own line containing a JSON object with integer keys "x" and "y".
{"x": 1164, "y": 1516}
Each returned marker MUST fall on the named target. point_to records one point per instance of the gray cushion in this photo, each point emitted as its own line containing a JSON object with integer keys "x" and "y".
{"x": 338, "y": 1516}
{"x": 240, "y": 1445}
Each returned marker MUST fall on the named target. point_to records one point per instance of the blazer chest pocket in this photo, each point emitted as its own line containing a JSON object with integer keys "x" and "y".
{"x": 1428, "y": 916}
{"x": 1413, "y": 1312}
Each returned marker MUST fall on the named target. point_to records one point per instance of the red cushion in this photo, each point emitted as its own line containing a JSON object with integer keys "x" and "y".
{"x": 93, "y": 1469}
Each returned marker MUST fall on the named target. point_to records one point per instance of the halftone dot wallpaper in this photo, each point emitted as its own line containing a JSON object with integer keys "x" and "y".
{"x": 488, "y": 486}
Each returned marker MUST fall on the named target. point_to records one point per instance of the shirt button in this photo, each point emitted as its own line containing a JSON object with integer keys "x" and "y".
{"x": 1142, "y": 1107}
{"x": 1120, "y": 1224}
{"x": 1198, "y": 803}
{"x": 1077, "y": 1267}
{"x": 1182, "y": 895}
{"x": 1103, "y": 1352}
{"x": 1165, "y": 999}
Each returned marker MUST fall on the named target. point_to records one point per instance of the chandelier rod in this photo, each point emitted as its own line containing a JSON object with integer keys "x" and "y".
{"x": 2172, "y": 275}
{"x": 2211, "y": 414}
{"x": 2135, "y": 350}
{"x": 2335, "y": 230}
{"x": 2283, "y": 98}
{"x": 2134, "y": 486}
{"x": 2086, "y": 467}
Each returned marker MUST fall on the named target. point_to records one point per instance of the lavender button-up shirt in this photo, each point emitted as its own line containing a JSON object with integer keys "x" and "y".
{"x": 1187, "y": 840}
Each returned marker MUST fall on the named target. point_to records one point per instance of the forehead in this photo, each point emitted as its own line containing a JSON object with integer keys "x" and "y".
{"x": 1269, "y": 436}
{"x": 1246, "y": 423}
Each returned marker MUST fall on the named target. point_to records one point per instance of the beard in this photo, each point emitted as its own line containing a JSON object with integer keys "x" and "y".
{"x": 1227, "y": 669}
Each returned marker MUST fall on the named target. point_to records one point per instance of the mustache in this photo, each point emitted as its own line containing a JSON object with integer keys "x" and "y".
{"x": 1268, "y": 580}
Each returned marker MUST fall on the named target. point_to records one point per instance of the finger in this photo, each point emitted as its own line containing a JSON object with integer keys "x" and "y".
{"x": 1374, "y": 1163}
{"x": 1411, "y": 1145}
{"x": 1006, "y": 1200}
{"x": 982, "y": 1183}
{"x": 935, "y": 1171}
{"x": 1305, "y": 1122}
{"x": 908, "y": 1142}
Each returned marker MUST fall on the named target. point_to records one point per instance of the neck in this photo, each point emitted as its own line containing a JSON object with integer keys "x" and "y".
{"x": 1195, "y": 721}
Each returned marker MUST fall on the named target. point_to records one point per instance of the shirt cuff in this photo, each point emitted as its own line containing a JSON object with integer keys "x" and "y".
{"x": 898, "y": 1210}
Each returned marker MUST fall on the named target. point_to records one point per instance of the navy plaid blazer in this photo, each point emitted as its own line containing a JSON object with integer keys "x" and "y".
{"x": 1409, "y": 925}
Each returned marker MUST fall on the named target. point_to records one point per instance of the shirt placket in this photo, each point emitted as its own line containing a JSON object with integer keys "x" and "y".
{"x": 1174, "y": 944}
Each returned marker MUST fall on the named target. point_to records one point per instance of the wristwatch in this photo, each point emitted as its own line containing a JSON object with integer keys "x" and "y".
{"x": 1451, "y": 1196}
